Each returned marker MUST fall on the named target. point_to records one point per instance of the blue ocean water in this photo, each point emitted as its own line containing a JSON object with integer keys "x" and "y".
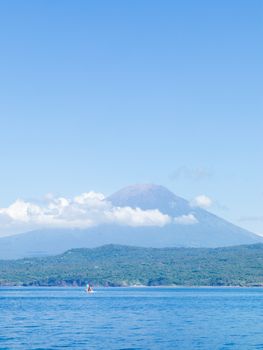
{"x": 131, "y": 318}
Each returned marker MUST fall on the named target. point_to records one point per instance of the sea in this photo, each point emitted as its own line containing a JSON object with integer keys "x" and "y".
{"x": 131, "y": 318}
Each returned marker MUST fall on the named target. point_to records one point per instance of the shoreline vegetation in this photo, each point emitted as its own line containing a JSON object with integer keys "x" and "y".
{"x": 15, "y": 286}
{"x": 126, "y": 266}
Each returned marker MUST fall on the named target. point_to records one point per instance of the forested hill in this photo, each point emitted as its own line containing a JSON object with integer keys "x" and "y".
{"x": 114, "y": 265}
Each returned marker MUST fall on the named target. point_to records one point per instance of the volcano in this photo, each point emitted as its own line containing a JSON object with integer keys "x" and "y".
{"x": 188, "y": 227}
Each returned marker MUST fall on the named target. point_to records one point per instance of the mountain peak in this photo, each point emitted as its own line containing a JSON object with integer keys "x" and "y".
{"x": 141, "y": 188}
{"x": 146, "y": 196}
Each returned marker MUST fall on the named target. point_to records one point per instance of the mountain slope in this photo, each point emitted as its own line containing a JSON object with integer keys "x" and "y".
{"x": 208, "y": 230}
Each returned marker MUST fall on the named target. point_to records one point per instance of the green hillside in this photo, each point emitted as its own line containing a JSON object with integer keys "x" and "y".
{"x": 113, "y": 265}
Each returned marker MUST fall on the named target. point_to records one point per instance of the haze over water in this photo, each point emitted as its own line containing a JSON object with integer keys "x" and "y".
{"x": 131, "y": 318}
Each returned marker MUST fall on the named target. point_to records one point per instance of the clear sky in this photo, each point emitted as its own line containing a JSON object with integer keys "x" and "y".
{"x": 96, "y": 95}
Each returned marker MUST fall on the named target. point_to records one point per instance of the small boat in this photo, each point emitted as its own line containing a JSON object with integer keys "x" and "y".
{"x": 89, "y": 289}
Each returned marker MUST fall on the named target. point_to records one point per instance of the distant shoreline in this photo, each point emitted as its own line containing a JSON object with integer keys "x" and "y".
{"x": 4, "y": 286}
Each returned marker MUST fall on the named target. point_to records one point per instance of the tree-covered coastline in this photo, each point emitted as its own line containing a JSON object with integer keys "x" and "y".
{"x": 114, "y": 265}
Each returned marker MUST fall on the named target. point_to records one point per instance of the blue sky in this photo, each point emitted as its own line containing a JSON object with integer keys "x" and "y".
{"x": 96, "y": 95}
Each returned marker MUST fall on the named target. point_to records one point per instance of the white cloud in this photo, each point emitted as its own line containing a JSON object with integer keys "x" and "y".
{"x": 137, "y": 217}
{"x": 188, "y": 219}
{"x": 202, "y": 201}
{"x": 83, "y": 211}
{"x": 20, "y": 211}
{"x": 87, "y": 197}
